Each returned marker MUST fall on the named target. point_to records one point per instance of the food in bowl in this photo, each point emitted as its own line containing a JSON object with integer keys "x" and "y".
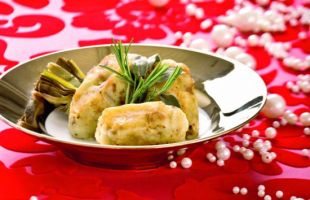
{"x": 127, "y": 99}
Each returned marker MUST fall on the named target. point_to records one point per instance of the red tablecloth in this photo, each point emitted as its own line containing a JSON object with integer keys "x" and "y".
{"x": 33, "y": 169}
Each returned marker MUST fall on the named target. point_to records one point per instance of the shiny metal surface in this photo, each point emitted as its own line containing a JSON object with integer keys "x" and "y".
{"x": 231, "y": 94}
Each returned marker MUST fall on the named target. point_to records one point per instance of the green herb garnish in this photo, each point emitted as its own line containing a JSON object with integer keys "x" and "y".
{"x": 143, "y": 76}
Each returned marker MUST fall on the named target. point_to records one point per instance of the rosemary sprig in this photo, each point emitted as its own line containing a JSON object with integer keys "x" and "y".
{"x": 140, "y": 81}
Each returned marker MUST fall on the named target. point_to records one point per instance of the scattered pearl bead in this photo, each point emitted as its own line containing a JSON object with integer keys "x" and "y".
{"x": 261, "y": 193}
{"x": 220, "y": 162}
{"x": 283, "y": 122}
{"x": 266, "y": 158}
{"x": 211, "y": 157}
{"x": 307, "y": 131}
{"x": 159, "y": 3}
{"x": 253, "y": 40}
{"x": 246, "y": 136}
{"x": 248, "y": 154}
{"x": 220, "y": 145}
{"x": 275, "y": 106}
{"x": 170, "y": 157}
{"x": 273, "y": 155}
{"x": 221, "y": 35}
{"x": 242, "y": 150}
{"x": 291, "y": 118}
{"x": 243, "y": 191}
{"x": 187, "y": 36}
{"x": 190, "y": 9}
{"x": 178, "y": 35}
{"x": 258, "y": 144}
{"x": 236, "y": 148}
{"x": 293, "y": 198}
{"x": 199, "y": 13}
{"x": 304, "y": 119}
{"x": 276, "y": 124}
{"x": 245, "y": 143}
{"x": 236, "y": 190}
{"x": 279, "y": 194}
{"x": 255, "y": 133}
{"x": 267, "y": 145}
{"x": 271, "y": 132}
{"x": 302, "y": 35}
{"x": 223, "y": 154}
{"x": 246, "y": 59}
{"x": 232, "y": 52}
{"x": 181, "y": 152}
{"x": 262, "y": 2}
{"x": 173, "y": 164}
{"x": 305, "y": 152}
{"x": 295, "y": 88}
{"x": 205, "y": 24}
{"x": 200, "y": 44}
{"x": 186, "y": 163}
{"x": 267, "y": 197}
{"x": 261, "y": 187}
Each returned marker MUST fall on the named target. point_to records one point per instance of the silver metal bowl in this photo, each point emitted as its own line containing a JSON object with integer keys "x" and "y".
{"x": 229, "y": 93}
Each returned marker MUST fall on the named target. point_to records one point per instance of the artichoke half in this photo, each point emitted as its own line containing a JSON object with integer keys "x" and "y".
{"x": 54, "y": 89}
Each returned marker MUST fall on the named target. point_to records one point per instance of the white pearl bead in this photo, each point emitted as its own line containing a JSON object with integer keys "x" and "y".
{"x": 261, "y": 187}
{"x": 267, "y": 197}
{"x": 245, "y": 143}
{"x": 212, "y": 159}
{"x": 236, "y": 190}
{"x": 279, "y": 194}
{"x": 220, "y": 145}
{"x": 305, "y": 152}
{"x": 307, "y": 131}
{"x": 199, "y": 13}
{"x": 246, "y": 136}
{"x": 302, "y": 35}
{"x": 243, "y": 191}
{"x": 236, "y": 148}
{"x": 293, "y": 198}
{"x": 276, "y": 124}
{"x": 222, "y": 35}
{"x": 275, "y": 106}
{"x": 271, "y": 132}
{"x": 283, "y": 122}
{"x": 304, "y": 119}
{"x": 170, "y": 157}
{"x": 205, "y": 24}
{"x": 209, "y": 155}
{"x": 232, "y": 52}
{"x": 200, "y": 44}
{"x": 248, "y": 154}
{"x": 187, "y": 36}
{"x": 220, "y": 162}
{"x": 258, "y": 144}
{"x": 190, "y": 9}
{"x": 266, "y": 158}
{"x": 305, "y": 86}
{"x": 178, "y": 35}
{"x": 273, "y": 155}
{"x": 253, "y": 40}
{"x": 246, "y": 59}
{"x": 262, "y": 2}
{"x": 186, "y": 163}
{"x": 295, "y": 88}
{"x": 159, "y": 3}
{"x": 181, "y": 151}
{"x": 267, "y": 145}
{"x": 223, "y": 154}
{"x": 173, "y": 164}
{"x": 255, "y": 133}
{"x": 261, "y": 193}
{"x": 291, "y": 118}
{"x": 242, "y": 149}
